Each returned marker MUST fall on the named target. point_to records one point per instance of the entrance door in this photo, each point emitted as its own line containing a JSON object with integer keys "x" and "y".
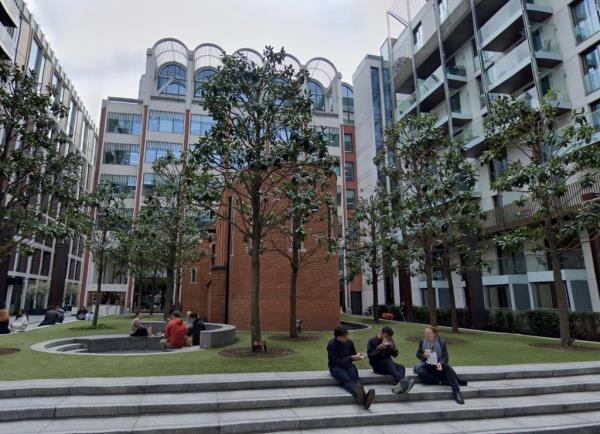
{"x": 356, "y": 302}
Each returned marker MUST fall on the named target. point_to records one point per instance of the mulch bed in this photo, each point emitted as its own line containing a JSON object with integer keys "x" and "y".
{"x": 575, "y": 348}
{"x": 301, "y": 338}
{"x": 245, "y": 353}
{"x": 8, "y": 351}
{"x": 449, "y": 341}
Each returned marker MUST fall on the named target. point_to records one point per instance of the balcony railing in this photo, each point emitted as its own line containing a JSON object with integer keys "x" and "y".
{"x": 431, "y": 82}
{"x": 586, "y": 28}
{"x": 592, "y": 80}
{"x": 568, "y": 261}
{"x": 513, "y": 215}
{"x": 505, "y": 266}
{"x": 500, "y": 19}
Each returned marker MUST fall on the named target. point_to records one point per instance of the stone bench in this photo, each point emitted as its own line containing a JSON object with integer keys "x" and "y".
{"x": 217, "y": 335}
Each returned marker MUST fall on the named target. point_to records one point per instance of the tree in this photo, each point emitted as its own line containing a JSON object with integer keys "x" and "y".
{"x": 108, "y": 217}
{"x": 252, "y": 105}
{"x": 414, "y": 162}
{"x": 371, "y": 242}
{"x": 141, "y": 250}
{"x": 307, "y": 204}
{"x": 175, "y": 212}
{"x": 553, "y": 169}
{"x": 39, "y": 169}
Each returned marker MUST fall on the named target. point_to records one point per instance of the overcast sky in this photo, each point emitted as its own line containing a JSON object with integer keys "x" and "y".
{"x": 101, "y": 44}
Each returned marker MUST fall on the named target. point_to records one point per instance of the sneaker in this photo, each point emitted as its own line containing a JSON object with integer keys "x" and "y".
{"x": 410, "y": 385}
{"x": 398, "y": 388}
{"x": 359, "y": 392}
{"x": 369, "y": 398}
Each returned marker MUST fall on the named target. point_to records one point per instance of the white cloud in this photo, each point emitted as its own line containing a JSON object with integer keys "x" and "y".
{"x": 102, "y": 44}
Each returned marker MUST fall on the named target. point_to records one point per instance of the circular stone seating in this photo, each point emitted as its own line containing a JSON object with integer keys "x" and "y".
{"x": 215, "y": 335}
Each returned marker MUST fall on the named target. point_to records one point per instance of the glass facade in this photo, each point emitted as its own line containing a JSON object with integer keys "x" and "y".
{"x": 121, "y": 154}
{"x": 156, "y": 150}
{"x": 317, "y": 95}
{"x": 124, "y": 183}
{"x": 172, "y": 80}
{"x": 376, "y": 99}
{"x": 124, "y": 123}
{"x": 585, "y": 19}
{"x": 166, "y": 122}
{"x": 200, "y": 125}
{"x": 591, "y": 68}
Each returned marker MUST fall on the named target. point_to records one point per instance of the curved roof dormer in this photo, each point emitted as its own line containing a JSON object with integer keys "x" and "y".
{"x": 250, "y": 54}
{"x": 322, "y": 71}
{"x": 208, "y": 56}
{"x": 170, "y": 50}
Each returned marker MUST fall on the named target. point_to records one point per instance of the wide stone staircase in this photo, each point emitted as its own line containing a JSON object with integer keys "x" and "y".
{"x": 518, "y": 398}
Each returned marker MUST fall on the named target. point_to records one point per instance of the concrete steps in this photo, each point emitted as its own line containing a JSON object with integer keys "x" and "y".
{"x": 508, "y": 398}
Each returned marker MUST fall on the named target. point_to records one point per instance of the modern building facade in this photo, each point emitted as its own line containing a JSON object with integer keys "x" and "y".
{"x": 54, "y": 264}
{"x": 454, "y": 58}
{"x": 168, "y": 116}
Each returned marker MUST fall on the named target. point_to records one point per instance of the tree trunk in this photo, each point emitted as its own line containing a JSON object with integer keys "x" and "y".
{"x": 430, "y": 291}
{"x": 375, "y": 275}
{"x": 293, "y": 282}
{"x": 152, "y": 294}
{"x": 98, "y": 291}
{"x": 139, "y": 297}
{"x": 448, "y": 272}
{"x": 170, "y": 282}
{"x": 559, "y": 286}
{"x": 255, "y": 291}
{"x": 178, "y": 288}
{"x": 4, "y": 264}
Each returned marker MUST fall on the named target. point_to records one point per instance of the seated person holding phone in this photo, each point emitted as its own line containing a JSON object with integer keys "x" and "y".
{"x": 434, "y": 367}
{"x": 381, "y": 349}
{"x": 342, "y": 355}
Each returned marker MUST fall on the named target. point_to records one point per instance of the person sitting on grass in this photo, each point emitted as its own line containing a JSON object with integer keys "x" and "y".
{"x": 381, "y": 349}
{"x": 4, "y": 322}
{"x": 51, "y": 317}
{"x": 434, "y": 367}
{"x": 136, "y": 328}
{"x": 174, "y": 334}
{"x": 342, "y": 354}
{"x": 21, "y": 321}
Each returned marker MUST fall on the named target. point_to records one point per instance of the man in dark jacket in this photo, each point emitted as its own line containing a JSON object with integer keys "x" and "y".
{"x": 342, "y": 354}
{"x": 51, "y": 317}
{"x": 381, "y": 349}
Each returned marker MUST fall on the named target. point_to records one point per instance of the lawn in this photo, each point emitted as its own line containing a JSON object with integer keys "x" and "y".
{"x": 477, "y": 348}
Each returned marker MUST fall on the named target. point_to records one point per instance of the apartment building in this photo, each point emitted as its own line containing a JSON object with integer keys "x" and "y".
{"x": 455, "y": 57}
{"x": 168, "y": 116}
{"x": 55, "y": 268}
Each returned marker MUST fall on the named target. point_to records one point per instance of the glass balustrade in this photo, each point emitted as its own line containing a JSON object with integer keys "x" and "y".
{"x": 568, "y": 261}
{"x": 475, "y": 130}
{"x": 431, "y": 82}
{"x": 506, "y": 63}
{"x": 592, "y": 80}
{"x": 501, "y": 18}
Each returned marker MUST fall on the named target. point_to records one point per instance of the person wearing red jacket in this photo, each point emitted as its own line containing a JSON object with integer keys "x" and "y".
{"x": 174, "y": 334}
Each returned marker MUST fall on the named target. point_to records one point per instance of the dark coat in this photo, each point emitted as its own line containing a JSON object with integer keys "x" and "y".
{"x": 377, "y": 355}
{"x": 340, "y": 354}
{"x": 444, "y": 358}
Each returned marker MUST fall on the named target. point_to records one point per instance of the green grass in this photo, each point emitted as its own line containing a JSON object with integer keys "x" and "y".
{"x": 478, "y": 349}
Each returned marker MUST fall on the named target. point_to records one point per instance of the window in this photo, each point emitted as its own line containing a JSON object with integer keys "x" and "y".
{"x": 317, "y": 96}
{"x": 348, "y": 146}
{"x": 349, "y": 171}
{"x": 591, "y": 68}
{"x": 124, "y": 183}
{"x": 172, "y": 80}
{"x": 200, "y": 125}
{"x": 336, "y": 167}
{"x": 57, "y": 85}
{"x": 148, "y": 183}
{"x": 35, "y": 59}
{"x": 124, "y": 123}
{"x": 201, "y": 76}
{"x": 377, "y": 114}
{"x": 498, "y": 297}
{"x": 193, "y": 273}
{"x": 585, "y": 19}
{"x": 121, "y": 153}
{"x": 418, "y": 35}
{"x": 333, "y": 136}
{"x": 443, "y": 9}
{"x": 595, "y": 108}
{"x": 165, "y": 122}
{"x": 350, "y": 199}
{"x": 544, "y": 296}
{"x": 455, "y": 103}
{"x": 348, "y": 104}
{"x": 156, "y": 150}
{"x": 72, "y": 122}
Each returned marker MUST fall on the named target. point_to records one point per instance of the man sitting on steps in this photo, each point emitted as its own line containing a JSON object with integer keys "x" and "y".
{"x": 342, "y": 354}
{"x": 381, "y": 349}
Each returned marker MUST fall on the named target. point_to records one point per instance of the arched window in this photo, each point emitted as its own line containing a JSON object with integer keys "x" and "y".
{"x": 317, "y": 95}
{"x": 193, "y": 273}
{"x": 201, "y": 76}
{"x": 172, "y": 80}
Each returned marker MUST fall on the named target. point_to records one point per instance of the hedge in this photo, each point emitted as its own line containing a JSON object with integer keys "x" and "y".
{"x": 584, "y": 325}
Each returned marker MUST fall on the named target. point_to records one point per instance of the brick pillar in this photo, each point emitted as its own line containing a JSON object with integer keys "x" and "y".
{"x": 216, "y": 294}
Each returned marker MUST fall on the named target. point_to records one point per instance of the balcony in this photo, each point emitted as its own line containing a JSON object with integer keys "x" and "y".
{"x": 456, "y": 74}
{"x": 558, "y": 87}
{"x": 431, "y": 90}
{"x": 506, "y": 26}
{"x": 572, "y": 260}
{"x": 9, "y": 13}
{"x": 472, "y": 137}
{"x": 591, "y": 80}
{"x": 8, "y": 42}
{"x": 505, "y": 266}
{"x": 586, "y": 28}
{"x": 512, "y": 71}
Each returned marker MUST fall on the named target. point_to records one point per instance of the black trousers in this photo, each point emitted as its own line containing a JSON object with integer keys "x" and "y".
{"x": 388, "y": 367}
{"x": 348, "y": 378}
{"x": 430, "y": 375}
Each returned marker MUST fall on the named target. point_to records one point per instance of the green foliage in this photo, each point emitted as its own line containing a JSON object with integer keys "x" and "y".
{"x": 256, "y": 108}
{"x": 38, "y": 167}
